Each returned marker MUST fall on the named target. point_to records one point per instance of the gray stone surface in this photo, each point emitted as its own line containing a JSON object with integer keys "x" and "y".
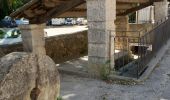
{"x": 156, "y": 87}
{"x": 25, "y": 76}
{"x": 101, "y": 15}
{"x": 161, "y": 10}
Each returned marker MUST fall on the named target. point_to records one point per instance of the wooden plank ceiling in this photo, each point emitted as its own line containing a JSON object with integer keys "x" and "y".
{"x": 39, "y": 11}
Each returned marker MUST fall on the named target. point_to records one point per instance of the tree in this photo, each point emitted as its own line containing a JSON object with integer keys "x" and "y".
{"x": 4, "y": 8}
{"x": 8, "y": 6}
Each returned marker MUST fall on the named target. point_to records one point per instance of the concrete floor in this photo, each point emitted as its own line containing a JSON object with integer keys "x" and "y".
{"x": 157, "y": 87}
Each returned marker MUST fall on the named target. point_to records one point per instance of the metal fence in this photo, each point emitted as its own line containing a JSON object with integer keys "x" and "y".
{"x": 135, "y": 49}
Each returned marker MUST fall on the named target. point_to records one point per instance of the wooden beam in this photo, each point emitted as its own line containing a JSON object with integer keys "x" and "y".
{"x": 49, "y": 4}
{"x": 26, "y": 6}
{"x": 58, "y": 10}
{"x": 132, "y": 1}
{"x": 141, "y": 6}
{"x": 72, "y": 14}
{"x": 124, "y": 6}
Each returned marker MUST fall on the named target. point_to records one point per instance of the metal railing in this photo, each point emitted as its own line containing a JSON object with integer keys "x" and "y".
{"x": 135, "y": 49}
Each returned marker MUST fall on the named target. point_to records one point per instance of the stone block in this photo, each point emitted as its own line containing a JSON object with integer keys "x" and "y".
{"x": 98, "y": 50}
{"x": 98, "y": 36}
{"x": 96, "y": 10}
{"x": 97, "y": 25}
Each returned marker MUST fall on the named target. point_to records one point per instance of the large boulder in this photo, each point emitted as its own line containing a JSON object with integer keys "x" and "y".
{"x": 25, "y": 76}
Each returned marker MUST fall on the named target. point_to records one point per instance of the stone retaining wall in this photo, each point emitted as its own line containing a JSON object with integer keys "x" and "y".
{"x": 60, "y": 48}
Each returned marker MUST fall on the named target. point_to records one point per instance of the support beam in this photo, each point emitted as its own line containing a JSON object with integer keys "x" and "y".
{"x": 134, "y": 9}
{"x": 33, "y": 38}
{"x": 101, "y": 15}
{"x": 58, "y": 10}
{"x": 133, "y": 1}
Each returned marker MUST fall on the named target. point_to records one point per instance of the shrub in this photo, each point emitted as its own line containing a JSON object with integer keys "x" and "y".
{"x": 2, "y": 34}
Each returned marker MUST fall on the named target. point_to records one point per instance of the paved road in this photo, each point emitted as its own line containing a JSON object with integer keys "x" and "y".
{"x": 157, "y": 87}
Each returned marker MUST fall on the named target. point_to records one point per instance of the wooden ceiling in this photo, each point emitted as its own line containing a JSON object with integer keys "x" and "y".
{"x": 39, "y": 11}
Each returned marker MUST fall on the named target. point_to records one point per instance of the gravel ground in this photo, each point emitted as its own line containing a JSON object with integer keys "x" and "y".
{"x": 157, "y": 87}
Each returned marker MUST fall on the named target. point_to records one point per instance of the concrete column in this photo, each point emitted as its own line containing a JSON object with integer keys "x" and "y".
{"x": 33, "y": 38}
{"x": 161, "y": 10}
{"x": 101, "y": 15}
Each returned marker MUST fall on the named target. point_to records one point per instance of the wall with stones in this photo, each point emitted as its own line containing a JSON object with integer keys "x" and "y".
{"x": 60, "y": 48}
{"x": 67, "y": 47}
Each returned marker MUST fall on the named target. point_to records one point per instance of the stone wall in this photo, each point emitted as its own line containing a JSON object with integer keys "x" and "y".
{"x": 60, "y": 48}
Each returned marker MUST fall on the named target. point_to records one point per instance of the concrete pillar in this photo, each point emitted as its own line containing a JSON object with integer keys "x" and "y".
{"x": 101, "y": 15}
{"x": 161, "y": 10}
{"x": 33, "y": 38}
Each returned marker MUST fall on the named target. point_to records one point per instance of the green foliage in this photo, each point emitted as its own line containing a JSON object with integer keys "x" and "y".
{"x": 105, "y": 70}
{"x": 8, "y": 6}
{"x": 59, "y": 98}
{"x": 4, "y": 8}
{"x": 2, "y": 34}
{"x": 14, "y": 33}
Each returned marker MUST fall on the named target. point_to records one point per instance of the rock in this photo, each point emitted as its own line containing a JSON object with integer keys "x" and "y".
{"x": 25, "y": 76}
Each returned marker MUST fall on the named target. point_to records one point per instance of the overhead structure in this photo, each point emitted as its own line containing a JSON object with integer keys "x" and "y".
{"x": 38, "y": 11}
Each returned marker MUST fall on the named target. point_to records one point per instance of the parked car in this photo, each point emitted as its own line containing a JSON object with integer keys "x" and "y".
{"x": 48, "y": 23}
{"x": 57, "y": 21}
{"x": 13, "y": 33}
{"x": 22, "y": 21}
{"x": 82, "y": 21}
{"x": 11, "y": 36}
{"x": 8, "y": 22}
{"x": 70, "y": 21}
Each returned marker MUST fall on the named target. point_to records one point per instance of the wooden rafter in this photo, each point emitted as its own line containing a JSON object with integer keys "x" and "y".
{"x": 58, "y": 10}
{"x": 141, "y": 6}
{"x": 38, "y": 11}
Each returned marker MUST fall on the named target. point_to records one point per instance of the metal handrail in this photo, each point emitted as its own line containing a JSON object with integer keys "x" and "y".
{"x": 148, "y": 46}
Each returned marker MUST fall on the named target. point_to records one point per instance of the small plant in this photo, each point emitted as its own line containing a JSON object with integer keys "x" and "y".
{"x": 2, "y": 34}
{"x": 105, "y": 70}
{"x": 59, "y": 98}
